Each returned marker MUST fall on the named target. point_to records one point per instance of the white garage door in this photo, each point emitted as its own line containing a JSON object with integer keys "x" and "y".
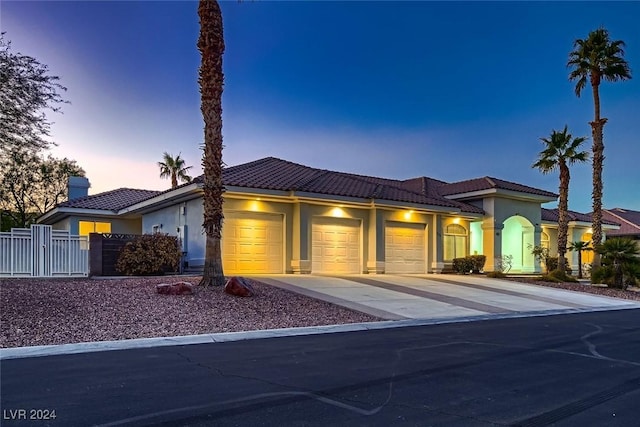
{"x": 252, "y": 243}
{"x": 404, "y": 248}
{"x": 335, "y": 246}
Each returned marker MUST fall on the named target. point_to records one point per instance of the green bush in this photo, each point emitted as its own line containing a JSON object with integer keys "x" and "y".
{"x": 478, "y": 262}
{"x": 150, "y": 254}
{"x": 551, "y": 264}
{"x": 463, "y": 265}
{"x": 620, "y": 263}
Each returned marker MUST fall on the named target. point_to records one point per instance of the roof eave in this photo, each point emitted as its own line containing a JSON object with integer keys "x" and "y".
{"x": 510, "y": 194}
{"x": 162, "y": 200}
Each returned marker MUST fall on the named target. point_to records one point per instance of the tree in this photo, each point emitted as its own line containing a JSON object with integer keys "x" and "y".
{"x": 561, "y": 150}
{"x": 596, "y": 58}
{"x": 174, "y": 168}
{"x": 28, "y": 90}
{"x": 31, "y": 184}
{"x": 580, "y": 246}
{"x": 620, "y": 258}
{"x": 211, "y": 80}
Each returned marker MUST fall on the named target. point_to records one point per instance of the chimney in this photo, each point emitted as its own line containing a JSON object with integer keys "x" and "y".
{"x": 78, "y": 187}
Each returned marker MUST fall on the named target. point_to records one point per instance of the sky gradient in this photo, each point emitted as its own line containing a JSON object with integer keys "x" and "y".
{"x": 450, "y": 90}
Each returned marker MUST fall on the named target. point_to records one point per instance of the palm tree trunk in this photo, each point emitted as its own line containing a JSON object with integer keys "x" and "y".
{"x": 211, "y": 80}
{"x": 563, "y": 223}
{"x": 579, "y": 263}
{"x": 598, "y": 160}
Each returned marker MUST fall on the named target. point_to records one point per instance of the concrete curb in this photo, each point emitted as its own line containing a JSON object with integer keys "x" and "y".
{"x": 91, "y": 347}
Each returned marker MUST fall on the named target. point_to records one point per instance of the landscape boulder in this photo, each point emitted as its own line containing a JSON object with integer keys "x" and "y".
{"x": 180, "y": 288}
{"x": 239, "y": 287}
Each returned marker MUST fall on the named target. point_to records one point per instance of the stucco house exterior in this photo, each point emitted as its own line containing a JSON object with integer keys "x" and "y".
{"x": 284, "y": 217}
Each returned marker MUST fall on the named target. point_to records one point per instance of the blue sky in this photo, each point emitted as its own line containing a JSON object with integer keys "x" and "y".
{"x": 450, "y": 90}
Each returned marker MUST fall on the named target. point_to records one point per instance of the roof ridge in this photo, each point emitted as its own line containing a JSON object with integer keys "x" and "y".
{"x": 634, "y": 225}
{"x": 492, "y": 181}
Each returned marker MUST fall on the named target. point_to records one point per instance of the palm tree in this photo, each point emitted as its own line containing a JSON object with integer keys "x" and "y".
{"x": 561, "y": 150}
{"x": 580, "y": 246}
{"x": 174, "y": 168}
{"x": 211, "y": 80}
{"x": 596, "y": 58}
{"x": 621, "y": 255}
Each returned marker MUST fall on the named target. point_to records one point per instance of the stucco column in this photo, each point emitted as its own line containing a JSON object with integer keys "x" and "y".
{"x": 529, "y": 233}
{"x": 491, "y": 243}
{"x": 375, "y": 233}
{"x": 437, "y": 244}
{"x": 537, "y": 240}
{"x": 300, "y": 259}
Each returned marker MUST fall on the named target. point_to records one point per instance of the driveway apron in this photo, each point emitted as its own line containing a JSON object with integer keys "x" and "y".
{"x": 436, "y": 296}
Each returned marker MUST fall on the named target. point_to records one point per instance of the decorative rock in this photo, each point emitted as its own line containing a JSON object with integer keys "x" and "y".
{"x": 180, "y": 288}
{"x": 239, "y": 287}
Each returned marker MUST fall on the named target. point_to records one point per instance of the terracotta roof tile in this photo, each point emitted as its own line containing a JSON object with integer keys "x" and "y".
{"x": 113, "y": 200}
{"x": 276, "y": 174}
{"x": 553, "y": 215}
{"x": 629, "y": 221}
{"x": 489, "y": 183}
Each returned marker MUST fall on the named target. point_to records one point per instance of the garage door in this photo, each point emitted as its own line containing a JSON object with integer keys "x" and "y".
{"x": 252, "y": 243}
{"x": 335, "y": 246}
{"x": 404, "y": 248}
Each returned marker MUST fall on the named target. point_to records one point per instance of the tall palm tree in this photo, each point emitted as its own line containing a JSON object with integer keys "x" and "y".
{"x": 561, "y": 150}
{"x": 174, "y": 168}
{"x": 580, "y": 246}
{"x": 211, "y": 80}
{"x": 596, "y": 58}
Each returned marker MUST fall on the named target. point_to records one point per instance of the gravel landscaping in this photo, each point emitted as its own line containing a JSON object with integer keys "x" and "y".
{"x": 59, "y": 311}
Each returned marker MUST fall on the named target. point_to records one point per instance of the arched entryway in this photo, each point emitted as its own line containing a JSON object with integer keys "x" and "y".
{"x": 518, "y": 238}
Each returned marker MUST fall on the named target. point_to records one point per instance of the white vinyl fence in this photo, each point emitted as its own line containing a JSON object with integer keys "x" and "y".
{"x": 41, "y": 251}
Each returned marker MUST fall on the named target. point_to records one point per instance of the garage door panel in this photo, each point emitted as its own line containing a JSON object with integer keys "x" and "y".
{"x": 252, "y": 243}
{"x": 335, "y": 246}
{"x": 405, "y": 248}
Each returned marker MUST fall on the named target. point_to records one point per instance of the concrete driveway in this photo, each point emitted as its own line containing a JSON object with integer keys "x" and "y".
{"x": 438, "y": 296}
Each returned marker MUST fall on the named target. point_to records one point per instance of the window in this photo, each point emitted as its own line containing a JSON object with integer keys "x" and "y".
{"x": 455, "y": 242}
{"x": 545, "y": 241}
{"x": 86, "y": 227}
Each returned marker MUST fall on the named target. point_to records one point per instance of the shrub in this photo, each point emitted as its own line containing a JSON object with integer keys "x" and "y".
{"x": 551, "y": 264}
{"x": 478, "y": 262}
{"x": 463, "y": 265}
{"x": 150, "y": 254}
{"x": 503, "y": 264}
{"x": 620, "y": 263}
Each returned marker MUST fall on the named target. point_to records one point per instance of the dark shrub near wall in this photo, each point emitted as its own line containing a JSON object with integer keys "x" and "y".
{"x": 469, "y": 264}
{"x": 150, "y": 254}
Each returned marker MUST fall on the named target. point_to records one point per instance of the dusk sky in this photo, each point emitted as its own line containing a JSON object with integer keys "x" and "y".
{"x": 450, "y": 90}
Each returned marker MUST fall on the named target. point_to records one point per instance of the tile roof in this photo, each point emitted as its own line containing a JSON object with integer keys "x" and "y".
{"x": 489, "y": 183}
{"x": 553, "y": 215}
{"x": 275, "y": 174}
{"x": 113, "y": 200}
{"x": 629, "y": 221}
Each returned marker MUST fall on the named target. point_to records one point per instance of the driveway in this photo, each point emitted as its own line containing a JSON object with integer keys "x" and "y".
{"x": 437, "y": 296}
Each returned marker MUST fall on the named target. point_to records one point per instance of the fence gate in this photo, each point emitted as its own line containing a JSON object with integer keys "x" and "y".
{"x": 41, "y": 251}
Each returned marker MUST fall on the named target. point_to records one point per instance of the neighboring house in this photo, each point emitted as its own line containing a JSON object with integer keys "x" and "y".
{"x": 629, "y": 223}
{"x": 283, "y": 217}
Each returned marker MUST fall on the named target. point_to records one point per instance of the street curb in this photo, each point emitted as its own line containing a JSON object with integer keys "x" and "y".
{"x": 98, "y": 346}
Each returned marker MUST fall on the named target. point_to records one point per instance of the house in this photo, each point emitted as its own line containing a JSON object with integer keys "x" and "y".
{"x": 629, "y": 223}
{"x": 284, "y": 217}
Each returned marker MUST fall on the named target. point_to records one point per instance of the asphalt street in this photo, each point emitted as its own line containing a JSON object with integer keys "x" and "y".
{"x": 564, "y": 370}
